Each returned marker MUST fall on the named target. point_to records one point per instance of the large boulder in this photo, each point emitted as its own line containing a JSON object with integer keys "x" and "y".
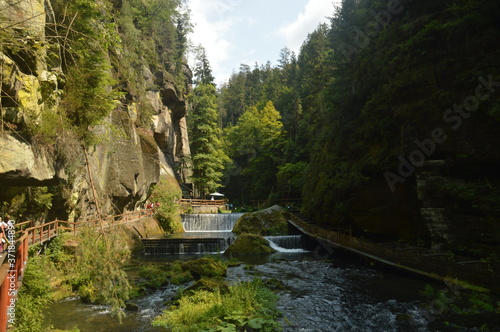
{"x": 270, "y": 221}
{"x": 249, "y": 244}
{"x": 205, "y": 267}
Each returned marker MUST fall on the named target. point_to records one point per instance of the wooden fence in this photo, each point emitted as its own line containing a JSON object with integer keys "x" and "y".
{"x": 202, "y": 201}
{"x": 47, "y": 231}
{"x": 27, "y": 233}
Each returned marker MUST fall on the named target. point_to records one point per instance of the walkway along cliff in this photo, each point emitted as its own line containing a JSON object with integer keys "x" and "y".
{"x": 420, "y": 261}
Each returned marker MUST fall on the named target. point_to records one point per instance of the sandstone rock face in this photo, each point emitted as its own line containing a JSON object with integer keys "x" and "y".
{"x": 130, "y": 158}
{"x": 457, "y": 210}
{"x": 20, "y": 164}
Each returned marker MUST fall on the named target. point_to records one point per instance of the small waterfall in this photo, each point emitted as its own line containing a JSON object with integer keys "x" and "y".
{"x": 210, "y": 222}
{"x": 287, "y": 243}
{"x": 203, "y": 234}
{"x": 180, "y": 246}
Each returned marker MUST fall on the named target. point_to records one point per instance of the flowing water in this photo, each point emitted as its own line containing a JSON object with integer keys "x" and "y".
{"x": 207, "y": 233}
{"x": 210, "y": 222}
{"x": 319, "y": 295}
{"x": 288, "y": 243}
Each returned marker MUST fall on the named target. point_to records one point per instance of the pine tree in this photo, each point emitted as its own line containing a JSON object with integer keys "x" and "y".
{"x": 205, "y": 135}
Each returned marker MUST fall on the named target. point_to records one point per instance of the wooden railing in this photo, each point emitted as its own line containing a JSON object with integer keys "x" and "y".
{"x": 413, "y": 259}
{"x": 44, "y": 232}
{"x": 202, "y": 201}
{"x": 14, "y": 260}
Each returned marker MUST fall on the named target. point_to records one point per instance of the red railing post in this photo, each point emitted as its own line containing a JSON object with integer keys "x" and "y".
{"x": 4, "y": 303}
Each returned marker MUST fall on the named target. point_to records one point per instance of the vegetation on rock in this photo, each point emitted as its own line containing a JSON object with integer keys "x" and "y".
{"x": 249, "y": 244}
{"x": 209, "y": 285}
{"x": 160, "y": 275}
{"x": 166, "y": 193}
{"x": 270, "y": 221}
{"x": 205, "y": 267}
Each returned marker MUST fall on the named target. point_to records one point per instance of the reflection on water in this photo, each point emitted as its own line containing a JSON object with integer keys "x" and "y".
{"x": 319, "y": 296}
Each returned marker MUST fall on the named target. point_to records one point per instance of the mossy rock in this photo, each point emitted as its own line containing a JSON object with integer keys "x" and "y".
{"x": 205, "y": 267}
{"x": 249, "y": 244}
{"x": 271, "y": 221}
{"x": 208, "y": 284}
{"x": 130, "y": 306}
{"x": 156, "y": 276}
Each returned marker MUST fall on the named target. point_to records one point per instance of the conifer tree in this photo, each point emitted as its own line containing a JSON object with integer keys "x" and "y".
{"x": 205, "y": 134}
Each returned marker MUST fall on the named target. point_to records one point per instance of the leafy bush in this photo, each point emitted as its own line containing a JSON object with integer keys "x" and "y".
{"x": 167, "y": 193}
{"x": 34, "y": 296}
{"x": 246, "y": 305}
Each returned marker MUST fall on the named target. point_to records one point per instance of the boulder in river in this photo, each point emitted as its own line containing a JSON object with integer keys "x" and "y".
{"x": 270, "y": 221}
{"x": 249, "y": 244}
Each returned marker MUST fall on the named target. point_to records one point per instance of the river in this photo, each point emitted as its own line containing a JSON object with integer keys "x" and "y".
{"x": 319, "y": 296}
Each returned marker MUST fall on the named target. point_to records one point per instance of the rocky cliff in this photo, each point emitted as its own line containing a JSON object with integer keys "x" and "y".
{"x": 128, "y": 158}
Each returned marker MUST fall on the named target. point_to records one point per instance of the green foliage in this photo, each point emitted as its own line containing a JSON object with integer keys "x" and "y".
{"x": 290, "y": 176}
{"x": 202, "y": 71}
{"x": 34, "y": 296}
{"x": 205, "y": 267}
{"x": 167, "y": 193}
{"x": 98, "y": 265}
{"x": 158, "y": 276}
{"x": 482, "y": 302}
{"x": 207, "y": 154}
{"x": 263, "y": 223}
{"x": 33, "y": 204}
{"x": 88, "y": 96}
{"x": 254, "y": 244}
{"x": 246, "y": 305}
{"x": 56, "y": 252}
{"x": 255, "y": 144}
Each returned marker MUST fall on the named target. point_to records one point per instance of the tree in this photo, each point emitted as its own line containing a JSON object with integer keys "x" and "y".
{"x": 205, "y": 135}
{"x": 202, "y": 71}
{"x": 255, "y": 144}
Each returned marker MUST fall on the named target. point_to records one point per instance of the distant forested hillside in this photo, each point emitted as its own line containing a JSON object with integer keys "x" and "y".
{"x": 390, "y": 117}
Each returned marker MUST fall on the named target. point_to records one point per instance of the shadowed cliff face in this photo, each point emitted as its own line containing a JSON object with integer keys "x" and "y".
{"x": 409, "y": 148}
{"x": 130, "y": 154}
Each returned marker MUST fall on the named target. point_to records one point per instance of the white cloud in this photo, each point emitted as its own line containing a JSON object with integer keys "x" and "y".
{"x": 315, "y": 12}
{"x": 212, "y": 29}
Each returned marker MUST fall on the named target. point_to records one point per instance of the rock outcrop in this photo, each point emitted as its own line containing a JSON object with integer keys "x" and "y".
{"x": 124, "y": 165}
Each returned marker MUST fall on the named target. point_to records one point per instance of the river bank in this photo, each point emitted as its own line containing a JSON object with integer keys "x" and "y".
{"x": 338, "y": 294}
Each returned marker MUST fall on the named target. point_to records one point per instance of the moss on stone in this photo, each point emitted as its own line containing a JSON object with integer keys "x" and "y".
{"x": 208, "y": 284}
{"x": 205, "y": 267}
{"x": 249, "y": 244}
{"x": 272, "y": 221}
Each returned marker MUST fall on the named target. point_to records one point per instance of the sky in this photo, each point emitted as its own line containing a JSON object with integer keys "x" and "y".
{"x": 248, "y": 31}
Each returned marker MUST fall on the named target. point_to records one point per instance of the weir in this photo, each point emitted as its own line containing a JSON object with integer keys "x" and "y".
{"x": 291, "y": 243}
{"x": 209, "y": 222}
{"x": 204, "y": 233}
